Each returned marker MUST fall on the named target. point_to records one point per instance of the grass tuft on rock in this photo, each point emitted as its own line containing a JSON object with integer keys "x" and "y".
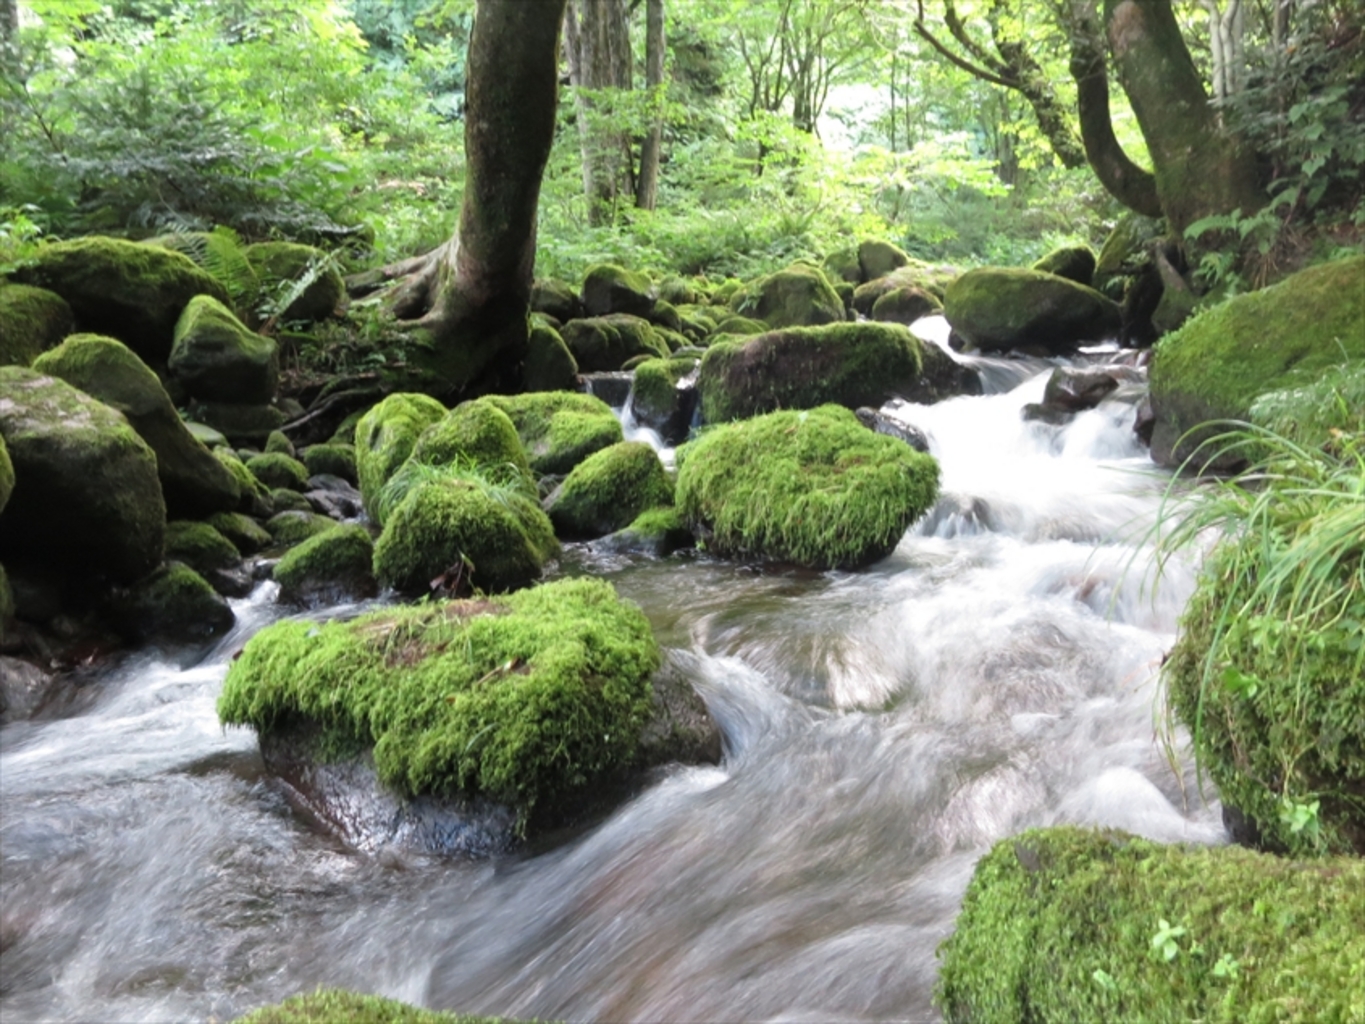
{"x": 334, "y": 1006}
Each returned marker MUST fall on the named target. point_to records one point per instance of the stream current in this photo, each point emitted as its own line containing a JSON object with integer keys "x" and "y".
{"x": 882, "y": 730}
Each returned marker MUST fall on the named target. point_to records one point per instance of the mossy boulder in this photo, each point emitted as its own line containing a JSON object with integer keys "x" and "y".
{"x": 295, "y": 526}
{"x": 559, "y": 429}
{"x": 246, "y": 535}
{"x": 307, "y": 277}
{"x": 608, "y": 288}
{"x": 200, "y": 546}
{"x": 1065, "y": 924}
{"x": 475, "y": 434}
{"x": 242, "y": 424}
{"x": 333, "y": 566}
{"x": 275, "y": 469}
{"x": 279, "y": 443}
{"x": 656, "y": 532}
{"x": 334, "y": 1006}
{"x": 32, "y": 320}
{"x": 526, "y": 699}
{"x": 385, "y": 436}
{"x": 800, "y": 368}
{"x": 132, "y": 292}
{"x": 1073, "y": 262}
{"x": 1281, "y": 337}
{"x": 463, "y": 531}
{"x": 997, "y": 309}
{"x": 842, "y": 267}
{"x": 6, "y": 475}
{"x": 556, "y": 299}
{"x": 175, "y": 604}
{"x": 697, "y": 322}
{"x": 742, "y": 325}
{"x": 330, "y": 460}
{"x": 679, "y": 291}
{"x": 217, "y": 359}
{"x": 877, "y": 259}
{"x": 286, "y": 499}
{"x": 1125, "y": 248}
{"x": 665, "y": 396}
{"x": 815, "y": 488}
{"x": 549, "y": 365}
{"x": 607, "y": 490}
{"x": 799, "y": 296}
{"x": 604, "y": 343}
{"x": 193, "y": 482}
{"x": 932, "y": 278}
{"x": 86, "y": 496}
{"x": 255, "y": 496}
{"x": 905, "y": 306}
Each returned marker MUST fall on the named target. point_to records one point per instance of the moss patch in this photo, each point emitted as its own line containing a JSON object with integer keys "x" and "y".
{"x": 1061, "y": 924}
{"x": 605, "y": 343}
{"x": 294, "y": 526}
{"x": 476, "y": 433}
{"x": 932, "y": 278}
{"x": 549, "y": 366}
{"x": 246, "y": 535}
{"x": 608, "y": 288}
{"x": 815, "y": 488}
{"x": 385, "y": 436}
{"x": 799, "y": 296}
{"x": 333, "y": 1006}
{"x": 255, "y": 496}
{"x": 1073, "y": 262}
{"x": 522, "y": 698}
{"x": 218, "y": 359}
{"x": 1002, "y": 308}
{"x": 200, "y": 546}
{"x": 174, "y": 604}
{"x": 331, "y": 566}
{"x": 559, "y": 429}
{"x": 32, "y": 320}
{"x": 275, "y": 469}
{"x": 331, "y": 460}
{"x": 609, "y": 489}
{"x": 301, "y": 281}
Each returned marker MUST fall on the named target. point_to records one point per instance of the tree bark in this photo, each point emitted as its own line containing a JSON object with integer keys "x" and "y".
{"x": 603, "y": 62}
{"x": 651, "y": 152}
{"x": 1201, "y": 169}
{"x": 9, "y": 37}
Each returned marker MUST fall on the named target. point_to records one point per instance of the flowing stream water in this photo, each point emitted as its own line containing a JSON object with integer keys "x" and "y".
{"x": 882, "y": 728}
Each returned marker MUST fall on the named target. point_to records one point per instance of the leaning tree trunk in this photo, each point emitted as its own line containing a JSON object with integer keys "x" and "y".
{"x": 1201, "y": 169}
{"x": 647, "y": 188}
{"x": 470, "y": 298}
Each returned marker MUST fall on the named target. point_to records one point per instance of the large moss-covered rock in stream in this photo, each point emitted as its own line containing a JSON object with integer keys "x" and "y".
{"x": 174, "y": 604}
{"x": 607, "y": 490}
{"x": 549, "y": 365}
{"x": 877, "y": 258}
{"x": 800, "y": 296}
{"x": 664, "y": 397}
{"x": 336, "y": 565}
{"x": 128, "y": 291}
{"x": 851, "y": 364}
{"x": 32, "y": 320}
{"x": 1064, "y": 924}
{"x": 608, "y": 288}
{"x": 929, "y": 277}
{"x": 461, "y": 530}
{"x": 193, "y": 482}
{"x": 559, "y": 429}
{"x": 1073, "y": 262}
{"x": 385, "y": 436}
{"x": 605, "y": 343}
{"x": 815, "y": 488}
{"x": 86, "y": 496}
{"x": 217, "y": 359}
{"x": 905, "y": 306}
{"x": 527, "y": 699}
{"x": 333, "y": 1006}
{"x": 1280, "y": 337}
{"x": 307, "y": 277}
{"x": 656, "y": 532}
{"x": 997, "y": 309}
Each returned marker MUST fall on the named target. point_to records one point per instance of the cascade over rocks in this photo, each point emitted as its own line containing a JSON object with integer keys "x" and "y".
{"x": 86, "y": 496}
{"x": 32, "y": 320}
{"x": 665, "y": 396}
{"x": 997, "y": 309}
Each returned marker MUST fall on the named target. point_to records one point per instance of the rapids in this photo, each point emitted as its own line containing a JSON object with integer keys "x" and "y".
{"x": 882, "y": 729}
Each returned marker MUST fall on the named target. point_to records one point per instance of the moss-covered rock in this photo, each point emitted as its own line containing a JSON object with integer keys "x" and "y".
{"x": 696, "y": 323}
{"x": 742, "y": 325}
{"x": 851, "y": 364}
{"x": 799, "y": 296}
{"x": 333, "y": 566}
{"x": 1073, "y": 262}
{"x": 217, "y": 359}
{"x": 815, "y": 488}
{"x": 932, "y": 278}
{"x": 279, "y": 443}
{"x": 607, "y": 490}
{"x": 32, "y": 320}
{"x": 330, "y": 459}
{"x": 193, "y": 482}
{"x": 608, "y": 288}
{"x": 556, "y": 299}
{"x": 175, "y": 604}
{"x": 1001, "y": 308}
{"x": 1064, "y": 924}
{"x": 905, "y": 306}
{"x": 308, "y": 278}
{"x": 679, "y": 291}
{"x": 295, "y": 526}
{"x": 255, "y": 496}
{"x": 287, "y": 499}
{"x": 384, "y": 438}
{"x": 475, "y": 434}
{"x": 876, "y": 259}
{"x": 524, "y": 698}
{"x": 242, "y": 424}
{"x": 246, "y": 535}
{"x": 842, "y": 267}
{"x": 466, "y": 531}
{"x": 275, "y": 469}
{"x": 549, "y": 366}
{"x": 86, "y": 496}
{"x": 199, "y": 546}
{"x": 333, "y": 1006}
{"x": 1125, "y": 247}
{"x": 6, "y": 475}
{"x": 657, "y": 532}
{"x": 658, "y": 402}
{"x": 1280, "y": 337}
{"x": 559, "y": 429}
{"x": 604, "y": 343}
{"x": 132, "y": 292}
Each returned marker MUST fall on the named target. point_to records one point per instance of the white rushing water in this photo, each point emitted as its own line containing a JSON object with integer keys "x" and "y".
{"x": 883, "y": 729}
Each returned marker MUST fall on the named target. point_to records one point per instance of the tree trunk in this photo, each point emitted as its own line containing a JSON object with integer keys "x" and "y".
{"x": 1201, "y": 169}
{"x": 603, "y": 63}
{"x": 647, "y": 189}
{"x": 476, "y": 288}
{"x": 9, "y": 37}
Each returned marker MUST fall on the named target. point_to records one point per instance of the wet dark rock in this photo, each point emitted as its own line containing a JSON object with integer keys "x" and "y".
{"x": 1145, "y": 422}
{"x": 339, "y": 504}
{"x": 613, "y": 388}
{"x": 234, "y": 582}
{"x": 23, "y": 688}
{"x": 877, "y": 421}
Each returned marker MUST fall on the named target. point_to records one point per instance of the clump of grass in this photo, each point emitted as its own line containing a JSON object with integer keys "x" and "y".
{"x": 1269, "y": 669}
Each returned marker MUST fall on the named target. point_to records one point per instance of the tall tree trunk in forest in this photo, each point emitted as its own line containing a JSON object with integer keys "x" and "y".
{"x": 1201, "y": 169}
{"x": 468, "y": 300}
{"x": 9, "y": 36}
{"x": 602, "y": 62}
{"x": 647, "y": 188}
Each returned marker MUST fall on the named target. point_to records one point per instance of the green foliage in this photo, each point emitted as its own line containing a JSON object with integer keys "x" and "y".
{"x": 333, "y": 1006}
{"x": 523, "y": 698}
{"x": 1064, "y": 924}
